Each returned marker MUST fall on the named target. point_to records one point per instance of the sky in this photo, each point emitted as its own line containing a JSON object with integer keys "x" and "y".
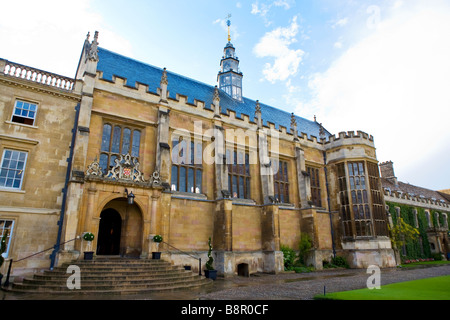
{"x": 379, "y": 66}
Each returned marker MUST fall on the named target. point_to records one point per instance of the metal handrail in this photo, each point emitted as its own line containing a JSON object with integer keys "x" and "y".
{"x": 199, "y": 259}
{"x": 55, "y": 247}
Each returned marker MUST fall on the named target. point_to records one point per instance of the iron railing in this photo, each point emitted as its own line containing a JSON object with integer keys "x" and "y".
{"x": 55, "y": 247}
{"x": 197, "y": 258}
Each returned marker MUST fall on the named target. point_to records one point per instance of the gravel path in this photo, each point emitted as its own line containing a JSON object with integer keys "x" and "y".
{"x": 291, "y": 286}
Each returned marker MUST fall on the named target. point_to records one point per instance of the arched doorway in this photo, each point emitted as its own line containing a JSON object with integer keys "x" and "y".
{"x": 109, "y": 233}
{"x": 120, "y": 229}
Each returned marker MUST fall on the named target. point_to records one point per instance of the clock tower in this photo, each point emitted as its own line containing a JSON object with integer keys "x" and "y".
{"x": 230, "y": 77}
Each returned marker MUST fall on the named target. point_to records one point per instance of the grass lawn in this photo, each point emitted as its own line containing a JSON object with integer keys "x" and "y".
{"x": 437, "y": 288}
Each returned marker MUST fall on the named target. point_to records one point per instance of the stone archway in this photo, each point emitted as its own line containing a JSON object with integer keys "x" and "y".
{"x": 129, "y": 238}
{"x": 109, "y": 233}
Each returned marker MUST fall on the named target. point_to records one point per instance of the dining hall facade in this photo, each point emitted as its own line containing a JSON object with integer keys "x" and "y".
{"x": 153, "y": 152}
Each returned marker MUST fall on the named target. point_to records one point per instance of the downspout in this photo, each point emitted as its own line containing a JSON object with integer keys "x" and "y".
{"x": 64, "y": 190}
{"x": 328, "y": 201}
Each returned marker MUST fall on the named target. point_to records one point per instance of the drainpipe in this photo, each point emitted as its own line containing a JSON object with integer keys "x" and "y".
{"x": 64, "y": 191}
{"x": 328, "y": 201}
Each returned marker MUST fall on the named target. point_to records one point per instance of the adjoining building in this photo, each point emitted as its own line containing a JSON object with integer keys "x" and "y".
{"x": 154, "y": 152}
{"x": 424, "y": 209}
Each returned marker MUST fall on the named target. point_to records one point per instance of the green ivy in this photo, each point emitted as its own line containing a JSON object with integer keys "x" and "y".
{"x": 413, "y": 249}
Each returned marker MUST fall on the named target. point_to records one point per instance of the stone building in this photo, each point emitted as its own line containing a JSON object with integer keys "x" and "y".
{"x": 154, "y": 152}
{"x": 37, "y": 112}
{"x": 424, "y": 209}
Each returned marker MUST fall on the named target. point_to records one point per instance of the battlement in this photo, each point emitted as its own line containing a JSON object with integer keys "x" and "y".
{"x": 349, "y": 138}
{"x": 414, "y": 200}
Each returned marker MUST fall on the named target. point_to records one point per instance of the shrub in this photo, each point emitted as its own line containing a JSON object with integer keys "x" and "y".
{"x": 437, "y": 256}
{"x": 340, "y": 262}
{"x": 288, "y": 257}
{"x": 209, "y": 263}
{"x": 305, "y": 246}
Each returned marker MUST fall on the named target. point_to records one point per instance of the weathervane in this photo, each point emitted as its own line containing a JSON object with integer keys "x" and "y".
{"x": 229, "y": 24}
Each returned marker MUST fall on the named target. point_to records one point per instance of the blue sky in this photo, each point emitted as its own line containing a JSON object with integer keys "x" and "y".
{"x": 378, "y": 66}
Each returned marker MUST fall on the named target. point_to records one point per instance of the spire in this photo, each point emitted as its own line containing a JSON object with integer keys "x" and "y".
{"x": 294, "y": 126}
{"x": 216, "y": 103}
{"x": 229, "y": 24}
{"x": 321, "y": 132}
{"x": 258, "y": 114}
{"x": 230, "y": 77}
{"x": 163, "y": 86}
{"x": 93, "y": 50}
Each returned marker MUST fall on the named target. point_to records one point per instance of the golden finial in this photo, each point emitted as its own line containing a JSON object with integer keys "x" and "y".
{"x": 229, "y": 24}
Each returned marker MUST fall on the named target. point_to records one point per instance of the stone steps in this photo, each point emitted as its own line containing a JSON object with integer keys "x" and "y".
{"x": 113, "y": 276}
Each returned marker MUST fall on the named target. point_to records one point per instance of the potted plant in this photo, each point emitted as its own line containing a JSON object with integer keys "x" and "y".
{"x": 158, "y": 239}
{"x": 210, "y": 272}
{"x": 89, "y": 254}
{"x": 2, "y": 251}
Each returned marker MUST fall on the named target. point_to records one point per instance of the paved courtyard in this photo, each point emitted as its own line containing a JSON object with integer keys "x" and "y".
{"x": 284, "y": 286}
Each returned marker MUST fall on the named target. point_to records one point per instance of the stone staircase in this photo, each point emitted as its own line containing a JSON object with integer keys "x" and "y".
{"x": 113, "y": 276}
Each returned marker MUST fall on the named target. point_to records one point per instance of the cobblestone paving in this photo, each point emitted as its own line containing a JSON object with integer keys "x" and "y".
{"x": 291, "y": 286}
{"x": 284, "y": 286}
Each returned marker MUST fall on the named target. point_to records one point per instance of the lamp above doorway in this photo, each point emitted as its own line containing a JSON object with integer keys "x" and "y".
{"x": 130, "y": 197}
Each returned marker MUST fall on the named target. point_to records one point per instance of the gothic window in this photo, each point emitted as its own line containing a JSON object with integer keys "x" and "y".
{"x": 343, "y": 199}
{"x": 12, "y": 169}
{"x": 187, "y": 167}
{"x": 238, "y": 173}
{"x": 117, "y": 140}
{"x": 24, "y": 112}
{"x": 316, "y": 195}
{"x": 281, "y": 181}
{"x": 359, "y": 198}
{"x": 6, "y": 226}
{"x": 379, "y": 215}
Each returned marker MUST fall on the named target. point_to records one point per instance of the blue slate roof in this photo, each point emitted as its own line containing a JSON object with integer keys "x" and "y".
{"x": 113, "y": 64}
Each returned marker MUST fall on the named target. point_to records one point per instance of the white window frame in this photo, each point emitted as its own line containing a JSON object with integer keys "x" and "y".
{"x": 15, "y": 169}
{"x": 11, "y": 230}
{"x": 25, "y": 117}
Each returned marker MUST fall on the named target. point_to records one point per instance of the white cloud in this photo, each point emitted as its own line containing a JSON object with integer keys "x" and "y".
{"x": 32, "y": 31}
{"x": 340, "y": 23}
{"x": 275, "y": 44}
{"x": 338, "y": 45}
{"x": 282, "y": 3}
{"x": 263, "y": 9}
{"x": 393, "y": 84}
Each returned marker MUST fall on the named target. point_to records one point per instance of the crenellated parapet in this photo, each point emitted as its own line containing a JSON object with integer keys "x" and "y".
{"x": 349, "y": 138}
{"x": 414, "y": 200}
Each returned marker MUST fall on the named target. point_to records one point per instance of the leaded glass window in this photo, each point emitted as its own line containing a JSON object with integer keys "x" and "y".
{"x": 281, "y": 181}
{"x": 238, "y": 173}
{"x": 316, "y": 194}
{"x": 118, "y": 140}
{"x": 187, "y": 165}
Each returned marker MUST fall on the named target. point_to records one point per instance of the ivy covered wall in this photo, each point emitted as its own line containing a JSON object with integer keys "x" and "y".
{"x": 414, "y": 250}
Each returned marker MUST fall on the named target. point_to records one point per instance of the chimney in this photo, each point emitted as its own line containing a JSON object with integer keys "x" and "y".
{"x": 387, "y": 172}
